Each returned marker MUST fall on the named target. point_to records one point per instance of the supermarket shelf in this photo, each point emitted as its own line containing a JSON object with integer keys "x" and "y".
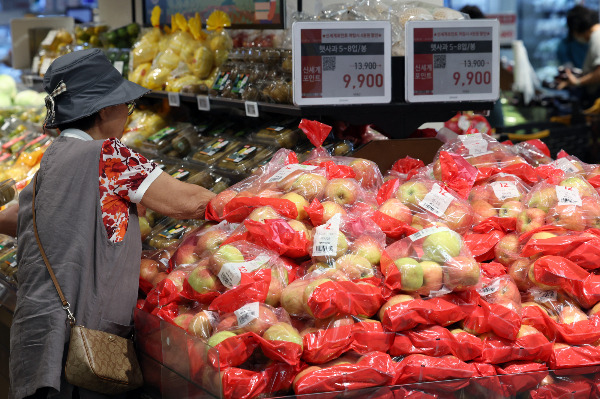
{"x": 397, "y": 119}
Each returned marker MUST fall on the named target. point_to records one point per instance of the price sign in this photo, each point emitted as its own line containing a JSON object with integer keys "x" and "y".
{"x": 173, "y": 99}
{"x": 203, "y": 103}
{"x": 342, "y": 62}
{"x": 452, "y": 61}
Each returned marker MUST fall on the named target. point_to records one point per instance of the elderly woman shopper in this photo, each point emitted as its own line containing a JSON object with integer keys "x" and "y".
{"x": 87, "y": 189}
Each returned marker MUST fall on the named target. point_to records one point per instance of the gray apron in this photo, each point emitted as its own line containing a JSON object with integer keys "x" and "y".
{"x": 99, "y": 278}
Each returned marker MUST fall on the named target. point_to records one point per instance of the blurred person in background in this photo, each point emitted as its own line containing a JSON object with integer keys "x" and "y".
{"x": 571, "y": 52}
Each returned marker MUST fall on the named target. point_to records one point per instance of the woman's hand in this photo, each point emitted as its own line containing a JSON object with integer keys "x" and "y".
{"x": 571, "y": 80}
{"x": 171, "y": 197}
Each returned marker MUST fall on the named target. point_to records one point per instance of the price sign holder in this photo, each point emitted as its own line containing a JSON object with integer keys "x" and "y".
{"x": 341, "y": 62}
{"x": 452, "y": 61}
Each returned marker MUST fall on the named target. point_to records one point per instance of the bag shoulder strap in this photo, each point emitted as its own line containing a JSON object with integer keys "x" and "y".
{"x": 66, "y": 306}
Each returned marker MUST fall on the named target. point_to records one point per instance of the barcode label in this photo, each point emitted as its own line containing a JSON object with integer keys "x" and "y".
{"x": 328, "y": 63}
{"x": 230, "y": 275}
{"x": 489, "y": 289}
{"x": 425, "y": 232}
{"x": 251, "y": 109}
{"x": 326, "y": 237}
{"x": 439, "y": 61}
{"x": 568, "y": 196}
{"x": 544, "y": 296}
{"x": 286, "y": 171}
{"x": 565, "y": 165}
{"x": 437, "y": 200}
{"x": 203, "y": 103}
{"x": 173, "y": 99}
{"x": 246, "y": 314}
{"x": 474, "y": 143}
{"x": 256, "y": 263}
{"x": 504, "y": 190}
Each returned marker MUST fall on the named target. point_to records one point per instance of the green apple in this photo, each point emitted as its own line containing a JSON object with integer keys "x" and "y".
{"x": 441, "y": 245}
{"x": 226, "y": 254}
{"x": 367, "y": 247}
{"x": 583, "y": 187}
{"x": 283, "y": 332}
{"x": 543, "y": 199}
{"x": 412, "y": 273}
{"x": 203, "y": 280}
{"x": 309, "y": 185}
{"x": 411, "y": 192}
{"x": 219, "y": 337}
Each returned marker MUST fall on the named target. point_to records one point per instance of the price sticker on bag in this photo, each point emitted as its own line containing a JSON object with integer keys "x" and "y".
{"x": 246, "y": 314}
{"x": 342, "y": 62}
{"x": 231, "y": 273}
{"x": 490, "y": 288}
{"x": 437, "y": 200}
{"x": 504, "y": 190}
{"x": 474, "y": 143}
{"x": 568, "y": 196}
{"x": 326, "y": 237}
{"x": 288, "y": 170}
{"x": 545, "y": 296}
{"x": 565, "y": 165}
{"x": 212, "y": 317}
{"x": 452, "y": 60}
{"x": 425, "y": 232}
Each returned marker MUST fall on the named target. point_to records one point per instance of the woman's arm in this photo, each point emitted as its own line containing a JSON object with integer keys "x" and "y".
{"x": 171, "y": 197}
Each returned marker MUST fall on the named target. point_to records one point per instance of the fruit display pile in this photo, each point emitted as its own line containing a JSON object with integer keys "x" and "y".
{"x": 326, "y": 275}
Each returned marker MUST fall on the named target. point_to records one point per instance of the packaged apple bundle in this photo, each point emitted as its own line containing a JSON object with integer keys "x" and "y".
{"x": 167, "y": 290}
{"x": 498, "y": 309}
{"x": 500, "y": 196}
{"x": 255, "y": 325}
{"x": 151, "y": 272}
{"x": 582, "y": 248}
{"x": 327, "y": 339}
{"x": 437, "y": 341}
{"x": 449, "y": 372}
{"x": 506, "y": 380}
{"x": 349, "y": 372}
{"x": 430, "y": 201}
{"x": 432, "y": 261}
{"x": 403, "y": 168}
{"x": 489, "y": 157}
{"x": 560, "y": 319}
{"x": 237, "y": 273}
{"x": 555, "y": 387}
{"x": 535, "y": 152}
{"x": 557, "y": 273}
{"x": 574, "y": 360}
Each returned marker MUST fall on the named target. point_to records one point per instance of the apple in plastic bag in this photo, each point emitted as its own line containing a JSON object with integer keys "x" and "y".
{"x": 186, "y": 253}
{"x": 570, "y": 217}
{"x": 354, "y": 266}
{"x": 367, "y": 247}
{"x": 219, "y": 337}
{"x": 394, "y": 208}
{"x": 308, "y": 291}
{"x": 441, "y": 245}
{"x": 300, "y": 202}
{"x": 330, "y": 208}
{"x": 149, "y": 269}
{"x": 530, "y": 219}
{"x": 177, "y": 277}
{"x": 411, "y": 193}
{"x": 211, "y": 241}
{"x": 531, "y": 275}
{"x": 519, "y": 270}
{"x": 266, "y": 318}
{"x": 282, "y": 331}
{"x": 433, "y": 277}
{"x": 591, "y": 211}
{"x": 367, "y": 172}
{"x": 300, "y": 228}
{"x": 458, "y": 216}
{"x": 571, "y": 314}
{"x": 200, "y": 325}
{"x": 309, "y": 185}
{"x": 263, "y": 213}
{"x": 292, "y": 297}
{"x": 583, "y": 187}
{"x": 220, "y": 200}
{"x": 342, "y": 191}
{"x": 203, "y": 280}
{"x": 483, "y": 210}
{"x": 393, "y": 301}
{"x": 342, "y": 248}
{"x": 412, "y": 273}
{"x": 510, "y": 209}
{"x": 526, "y": 330}
{"x": 301, "y": 374}
{"x": 226, "y": 254}
{"x": 544, "y": 199}
{"x": 461, "y": 273}
{"x": 506, "y": 250}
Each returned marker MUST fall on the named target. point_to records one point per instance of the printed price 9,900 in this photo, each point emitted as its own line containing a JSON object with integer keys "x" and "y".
{"x": 368, "y": 80}
{"x": 477, "y": 78}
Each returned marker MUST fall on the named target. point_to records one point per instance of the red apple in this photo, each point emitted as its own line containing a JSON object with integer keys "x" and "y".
{"x": 507, "y": 249}
{"x": 226, "y": 254}
{"x": 481, "y": 193}
{"x": 526, "y": 330}
{"x": 458, "y": 216}
{"x": 394, "y": 208}
{"x": 530, "y": 219}
{"x": 220, "y": 200}
{"x": 186, "y": 253}
{"x": 510, "y": 209}
{"x": 570, "y": 217}
{"x": 367, "y": 173}
{"x": 266, "y": 318}
{"x": 411, "y": 193}
{"x": 461, "y": 273}
{"x": 433, "y": 277}
{"x": 518, "y": 270}
{"x": 591, "y": 211}
{"x": 204, "y": 281}
{"x": 544, "y": 199}
{"x": 354, "y": 266}
{"x": 571, "y": 314}
{"x": 309, "y": 185}
{"x": 301, "y": 374}
{"x": 211, "y": 240}
{"x": 149, "y": 268}
{"x": 263, "y": 213}
{"x": 367, "y": 247}
{"x": 483, "y": 210}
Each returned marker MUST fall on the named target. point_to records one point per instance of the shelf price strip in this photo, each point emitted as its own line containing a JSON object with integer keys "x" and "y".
{"x": 341, "y": 62}
{"x": 452, "y": 61}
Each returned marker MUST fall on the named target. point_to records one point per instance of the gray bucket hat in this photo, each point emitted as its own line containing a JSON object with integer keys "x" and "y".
{"x": 82, "y": 83}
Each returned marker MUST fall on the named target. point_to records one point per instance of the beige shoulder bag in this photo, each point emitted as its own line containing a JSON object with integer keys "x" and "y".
{"x": 98, "y": 361}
